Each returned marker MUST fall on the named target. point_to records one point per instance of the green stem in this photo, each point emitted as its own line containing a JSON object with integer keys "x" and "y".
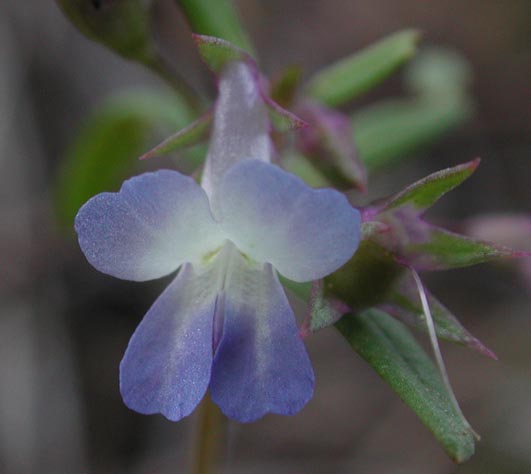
{"x": 208, "y": 441}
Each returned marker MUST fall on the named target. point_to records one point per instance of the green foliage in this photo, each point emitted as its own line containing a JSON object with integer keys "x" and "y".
{"x": 395, "y": 355}
{"x": 191, "y": 135}
{"x": 426, "y": 192}
{"x": 366, "y": 278}
{"x": 396, "y": 128}
{"x": 443, "y": 250}
{"x": 299, "y": 165}
{"x": 438, "y": 81}
{"x": 356, "y": 74}
{"x": 123, "y": 26}
{"x": 284, "y": 88}
{"x": 216, "y": 18}
{"x": 403, "y": 302}
{"x": 104, "y": 152}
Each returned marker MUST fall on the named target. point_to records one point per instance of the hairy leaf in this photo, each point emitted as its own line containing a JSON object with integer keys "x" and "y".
{"x": 426, "y": 192}
{"x": 403, "y": 302}
{"x": 401, "y": 362}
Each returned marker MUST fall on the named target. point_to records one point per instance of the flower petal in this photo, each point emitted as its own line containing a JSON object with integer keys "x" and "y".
{"x": 261, "y": 365}
{"x": 274, "y": 217}
{"x": 154, "y": 224}
{"x": 241, "y": 124}
{"x": 166, "y": 367}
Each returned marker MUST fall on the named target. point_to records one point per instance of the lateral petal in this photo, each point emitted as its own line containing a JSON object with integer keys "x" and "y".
{"x": 261, "y": 365}
{"x": 166, "y": 367}
{"x": 274, "y": 217}
{"x": 155, "y": 223}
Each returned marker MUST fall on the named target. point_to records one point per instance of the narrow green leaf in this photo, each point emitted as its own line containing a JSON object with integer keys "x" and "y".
{"x": 403, "y": 302}
{"x": 443, "y": 250}
{"x": 356, "y": 74}
{"x": 106, "y": 149}
{"x": 427, "y": 191}
{"x": 438, "y": 73}
{"x": 401, "y": 362}
{"x": 216, "y": 18}
{"x": 193, "y": 134}
{"x": 397, "y": 128}
{"x": 284, "y": 88}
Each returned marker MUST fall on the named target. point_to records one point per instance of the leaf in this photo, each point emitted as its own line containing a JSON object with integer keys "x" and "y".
{"x": 443, "y": 250}
{"x": 285, "y": 87}
{"x": 216, "y": 18}
{"x": 401, "y": 362}
{"x": 426, "y": 192}
{"x": 193, "y": 134}
{"x": 408, "y": 125}
{"x": 105, "y": 150}
{"x": 438, "y": 73}
{"x": 356, "y": 74}
{"x": 403, "y": 303}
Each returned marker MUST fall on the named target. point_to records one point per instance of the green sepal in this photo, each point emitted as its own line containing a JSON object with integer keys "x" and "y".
{"x": 403, "y": 302}
{"x": 323, "y": 311}
{"x": 426, "y": 192}
{"x": 217, "y": 52}
{"x": 400, "y": 361}
{"x": 356, "y": 74}
{"x": 217, "y": 18}
{"x": 443, "y": 250}
{"x": 193, "y": 134}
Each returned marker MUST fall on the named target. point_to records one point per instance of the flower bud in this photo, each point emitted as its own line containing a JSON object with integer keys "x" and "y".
{"x": 122, "y": 25}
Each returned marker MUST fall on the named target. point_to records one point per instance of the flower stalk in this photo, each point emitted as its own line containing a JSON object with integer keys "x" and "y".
{"x": 208, "y": 440}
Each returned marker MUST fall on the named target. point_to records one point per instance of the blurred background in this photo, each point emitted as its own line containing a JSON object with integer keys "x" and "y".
{"x": 64, "y": 326}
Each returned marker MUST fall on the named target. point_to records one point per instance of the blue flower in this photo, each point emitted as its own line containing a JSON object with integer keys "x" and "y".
{"x": 224, "y": 322}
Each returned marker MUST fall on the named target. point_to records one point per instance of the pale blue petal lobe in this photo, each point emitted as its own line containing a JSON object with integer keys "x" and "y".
{"x": 156, "y": 222}
{"x": 261, "y": 365}
{"x": 272, "y": 216}
{"x": 166, "y": 367}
